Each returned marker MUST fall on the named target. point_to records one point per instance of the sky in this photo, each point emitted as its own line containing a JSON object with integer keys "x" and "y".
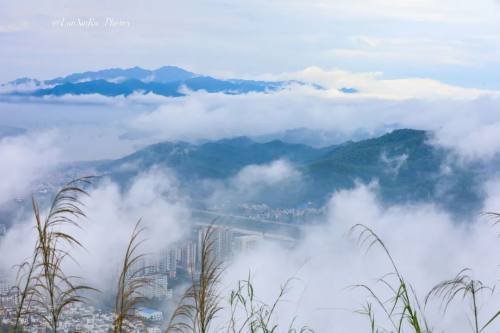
{"x": 456, "y": 42}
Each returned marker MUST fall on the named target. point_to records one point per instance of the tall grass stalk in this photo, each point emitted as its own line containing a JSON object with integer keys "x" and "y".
{"x": 24, "y": 290}
{"x": 462, "y": 285}
{"x": 256, "y": 316}
{"x": 45, "y": 290}
{"x": 130, "y": 283}
{"x": 200, "y": 303}
{"x": 403, "y": 309}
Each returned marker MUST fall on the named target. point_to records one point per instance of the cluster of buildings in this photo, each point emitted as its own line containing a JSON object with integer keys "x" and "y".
{"x": 78, "y": 317}
{"x": 81, "y": 317}
{"x": 160, "y": 269}
{"x": 8, "y": 296}
{"x": 163, "y": 266}
{"x": 287, "y": 215}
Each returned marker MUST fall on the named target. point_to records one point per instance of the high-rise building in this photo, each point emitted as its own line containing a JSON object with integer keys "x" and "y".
{"x": 157, "y": 287}
{"x": 162, "y": 262}
{"x": 221, "y": 241}
{"x": 144, "y": 266}
{"x": 188, "y": 256}
{"x": 5, "y": 287}
{"x": 167, "y": 260}
{"x": 8, "y": 296}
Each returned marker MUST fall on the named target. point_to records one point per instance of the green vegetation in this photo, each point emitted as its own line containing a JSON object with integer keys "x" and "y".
{"x": 406, "y": 166}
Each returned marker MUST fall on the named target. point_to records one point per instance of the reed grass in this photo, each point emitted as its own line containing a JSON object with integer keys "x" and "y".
{"x": 258, "y": 316}
{"x": 130, "y": 283}
{"x": 200, "y": 304}
{"x": 465, "y": 287}
{"x": 403, "y": 310}
{"x": 45, "y": 290}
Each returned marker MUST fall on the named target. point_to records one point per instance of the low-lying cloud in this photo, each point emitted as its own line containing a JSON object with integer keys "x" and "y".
{"x": 112, "y": 213}
{"x": 465, "y": 119}
{"x": 25, "y": 160}
{"x": 268, "y": 174}
{"x": 469, "y": 126}
{"x": 426, "y": 244}
{"x": 252, "y": 183}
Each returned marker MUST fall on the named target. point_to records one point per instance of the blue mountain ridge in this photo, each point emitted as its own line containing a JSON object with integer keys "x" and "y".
{"x": 406, "y": 166}
{"x": 165, "y": 81}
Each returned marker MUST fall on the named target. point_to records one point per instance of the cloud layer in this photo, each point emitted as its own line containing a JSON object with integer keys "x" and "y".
{"x": 112, "y": 213}
{"x": 426, "y": 244}
{"x": 468, "y": 125}
{"x": 25, "y": 160}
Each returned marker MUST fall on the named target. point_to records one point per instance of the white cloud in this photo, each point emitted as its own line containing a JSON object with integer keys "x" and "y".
{"x": 374, "y": 85}
{"x": 24, "y": 160}
{"x": 111, "y": 215}
{"x": 413, "y": 10}
{"x": 252, "y": 183}
{"x": 462, "y": 119}
{"x": 328, "y": 261}
{"x": 270, "y": 174}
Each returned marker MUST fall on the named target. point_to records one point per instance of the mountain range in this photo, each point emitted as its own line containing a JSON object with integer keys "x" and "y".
{"x": 406, "y": 166}
{"x": 168, "y": 81}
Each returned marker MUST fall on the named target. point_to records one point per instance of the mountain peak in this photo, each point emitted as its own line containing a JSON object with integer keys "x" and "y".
{"x": 404, "y": 133}
{"x": 236, "y": 141}
{"x": 172, "y": 74}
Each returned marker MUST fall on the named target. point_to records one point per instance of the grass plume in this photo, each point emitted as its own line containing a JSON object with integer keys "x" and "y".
{"x": 462, "y": 285}
{"x": 45, "y": 290}
{"x": 201, "y": 302}
{"x": 403, "y": 309}
{"x": 130, "y": 283}
{"x": 258, "y": 317}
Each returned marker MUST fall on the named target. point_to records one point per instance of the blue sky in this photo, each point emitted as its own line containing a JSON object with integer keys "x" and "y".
{"x": 457, "y": 42}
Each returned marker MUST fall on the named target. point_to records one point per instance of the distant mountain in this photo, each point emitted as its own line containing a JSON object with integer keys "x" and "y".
{"x": 25, "y": 81}
{"x": 163, "y": 75}
{"x": 323, "y": 137}
{"x": 213, "y": 160}
{"x": 348, "y": 90}
{"x": 165, "y": 81}
{"x": 407, "y": 168}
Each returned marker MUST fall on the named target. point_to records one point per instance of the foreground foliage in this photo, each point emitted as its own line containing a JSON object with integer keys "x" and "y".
{"x": 45, "y": 290}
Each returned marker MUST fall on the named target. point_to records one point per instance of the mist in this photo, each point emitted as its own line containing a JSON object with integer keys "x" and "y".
{"x": 426, "y": 244}
{"x": 469, "y": 126}
{"x": 111, "y": 214}
{"x": 24, "y": 161}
